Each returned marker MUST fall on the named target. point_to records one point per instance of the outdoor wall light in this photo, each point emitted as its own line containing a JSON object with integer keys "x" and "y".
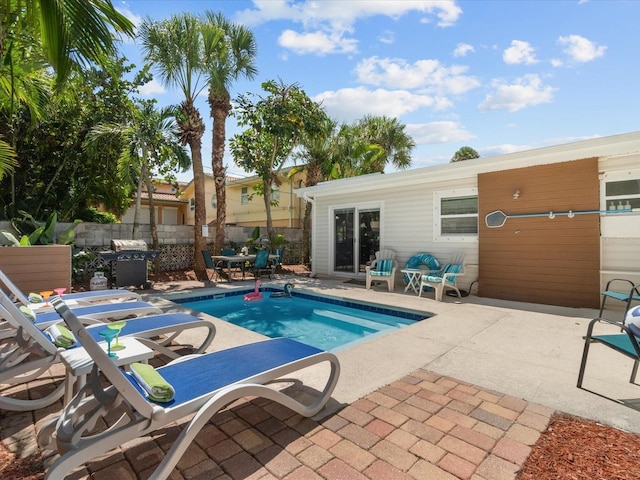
{"x": 516, "y": 195}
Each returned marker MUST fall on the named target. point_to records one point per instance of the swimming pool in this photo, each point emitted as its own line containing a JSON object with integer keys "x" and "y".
{"x": 323, "y": 322}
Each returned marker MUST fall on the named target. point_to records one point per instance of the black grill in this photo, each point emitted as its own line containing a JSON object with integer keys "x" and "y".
{"x": 128, "y": 263}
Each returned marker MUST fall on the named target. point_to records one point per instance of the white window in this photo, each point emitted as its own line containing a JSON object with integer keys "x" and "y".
{"x": 275, "y": 193}
{"x": 192, "y": 204}
{"x": 455, "y": 215}
{"x": 622, "y": 190}
{"x": 214, "y": 202}
{"x": 244, "y": 196}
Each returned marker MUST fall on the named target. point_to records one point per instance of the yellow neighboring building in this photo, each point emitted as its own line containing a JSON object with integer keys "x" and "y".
{"x": 245, "y": 208}
{"x": 171, "y": 207}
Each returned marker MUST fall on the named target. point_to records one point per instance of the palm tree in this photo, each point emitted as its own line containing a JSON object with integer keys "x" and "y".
{"x": 149, "y": 143}
{"x": 174, "y": 48}
{"x": 230, "y": 53}
{"x": 387, "y": 133}
{"x": 319, "y": 157}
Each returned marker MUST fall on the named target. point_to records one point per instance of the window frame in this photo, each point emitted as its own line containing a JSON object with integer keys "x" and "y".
{"x": 192, "y": 204}
{"x": 618, "y": 176}
{"x": 244, "y": 195}
{"x": 438, "y": 196}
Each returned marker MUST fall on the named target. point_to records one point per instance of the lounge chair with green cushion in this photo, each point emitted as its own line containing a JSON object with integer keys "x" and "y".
{"x": 197, "y": 388}
{"x": 30, "y": 352}
{"x": 80, "y": 298}
{"x": 382, "y": 269}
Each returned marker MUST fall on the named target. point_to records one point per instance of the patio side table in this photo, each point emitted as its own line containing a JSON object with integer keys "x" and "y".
{"x": 413, "y": 276}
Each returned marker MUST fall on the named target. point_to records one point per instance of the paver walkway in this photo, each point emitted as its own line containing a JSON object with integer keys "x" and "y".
{"x": 422, "y": 426}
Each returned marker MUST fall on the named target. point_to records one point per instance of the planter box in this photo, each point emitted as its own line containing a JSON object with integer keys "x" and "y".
{"x": 37, "y": 268}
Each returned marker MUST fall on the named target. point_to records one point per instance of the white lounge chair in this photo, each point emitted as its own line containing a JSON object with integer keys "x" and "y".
{"x": 203, "y": 385}
{"x": 89, "y": 313}
{"x": 80, "y": 298}
{"x": 29, "y": 353}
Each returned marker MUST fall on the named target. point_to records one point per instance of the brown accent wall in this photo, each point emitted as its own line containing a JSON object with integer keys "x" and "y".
{"x": 537, "y": 259}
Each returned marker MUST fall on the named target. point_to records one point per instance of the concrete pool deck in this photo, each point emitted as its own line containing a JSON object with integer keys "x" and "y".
{"x": 463, "y": 394}
{"x": 528, "y": 351}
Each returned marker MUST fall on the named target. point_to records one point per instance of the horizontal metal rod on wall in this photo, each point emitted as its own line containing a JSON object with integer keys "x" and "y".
{"x": 498, "y": 218}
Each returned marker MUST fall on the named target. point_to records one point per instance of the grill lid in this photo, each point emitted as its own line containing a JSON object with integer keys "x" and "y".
{"x": 120, "y": 245}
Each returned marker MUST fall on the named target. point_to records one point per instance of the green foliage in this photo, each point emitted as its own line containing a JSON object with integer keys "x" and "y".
{"x": 80, "y": 262}
{"x": 32, "y": 233}
{"x": 55, "y": 173}
{"x": 464, "y": 153}
{"x": 92, "y": 215}
{"x": 275, "y": 124}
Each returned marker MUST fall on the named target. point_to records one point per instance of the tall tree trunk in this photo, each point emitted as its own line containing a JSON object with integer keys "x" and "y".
{"x": 192, "y": 129}
{"x": 306, "y": 235}
{"x": 220, "y": 108}
{"x": 200, "y": 242}
{"x": 136, "y": 212}
{"x": 155, "y": 243}
{"x": 268, "y": 184}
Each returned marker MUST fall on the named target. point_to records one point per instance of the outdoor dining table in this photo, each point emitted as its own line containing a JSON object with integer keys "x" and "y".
{"x": 242, "y": 260}
{"x": 239, "y": 259}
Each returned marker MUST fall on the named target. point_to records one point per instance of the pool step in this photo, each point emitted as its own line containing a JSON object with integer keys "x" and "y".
{"x": 352, "y": 320}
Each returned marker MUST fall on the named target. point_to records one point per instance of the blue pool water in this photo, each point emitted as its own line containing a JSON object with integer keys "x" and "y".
{"x": 322, "y": 322}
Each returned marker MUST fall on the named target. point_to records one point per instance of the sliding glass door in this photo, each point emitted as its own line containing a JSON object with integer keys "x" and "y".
{"x": 356, "y": 238}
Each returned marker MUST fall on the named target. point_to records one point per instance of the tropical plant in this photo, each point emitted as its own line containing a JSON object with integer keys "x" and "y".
{"x": 149, "y": 145}
{"x": 341, "y": 151}
{"x": 230, "y": 54}
{"x": 464, "y": 153}
{"x": 174, "y": 48}
{"x": 275, "y": 123}
{"x": 61, "y": 34}
{"x": 55, "y": 172}
{"x": 32, "y": 233}
{"x": 372, "y": 143}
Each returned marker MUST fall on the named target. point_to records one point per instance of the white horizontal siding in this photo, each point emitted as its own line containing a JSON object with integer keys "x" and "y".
{"x": 406, "y": 225}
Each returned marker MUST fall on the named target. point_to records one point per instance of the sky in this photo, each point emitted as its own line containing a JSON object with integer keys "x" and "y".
{"x": 498, "y": 76}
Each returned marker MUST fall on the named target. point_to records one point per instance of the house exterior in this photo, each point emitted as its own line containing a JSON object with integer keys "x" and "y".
{"x": 171, "y": 207}
{"x": 245, "y": 208}
{"x": 560, "y": 239}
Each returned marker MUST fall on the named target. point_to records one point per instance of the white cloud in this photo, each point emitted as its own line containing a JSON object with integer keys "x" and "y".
{"x": 438, "y": 132}
{"x": 152, "y": 88}
{"x": 525, "y": 92}
{"x": 581, "y": 49}
{"x": 387, "y": 37}
{"x": 429, "y": 75}
{"x": 324, "y": 24}
{"x": 318, "y": 42}
{"x": 519, "y": 52}
{"x": 339, "y": 12}
{"x": 462, "y": 49}
{"x": 349, "y": 104}
{"x": 133, "y": 18}
{"x": 556, "y": 62}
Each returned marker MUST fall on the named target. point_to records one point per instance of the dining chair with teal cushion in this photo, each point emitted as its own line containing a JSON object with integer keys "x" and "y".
{"x": 261, "y": 264}
{"x": 622, "y": 290}
{"x": 210, "y": 265}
